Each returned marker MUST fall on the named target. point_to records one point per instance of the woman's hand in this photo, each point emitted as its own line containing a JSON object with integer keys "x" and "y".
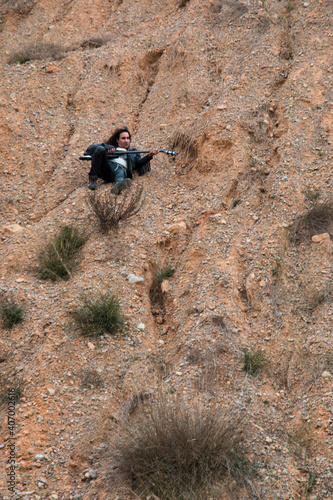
{"x": 153, "y": 152}
{"x": 109, "y": 148}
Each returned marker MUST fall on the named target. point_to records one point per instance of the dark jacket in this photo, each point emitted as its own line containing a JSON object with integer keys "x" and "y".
{"x": 134, "y": 161}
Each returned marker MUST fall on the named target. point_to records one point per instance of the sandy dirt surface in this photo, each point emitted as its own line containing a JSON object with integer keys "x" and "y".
{"x": 242, "y": 90}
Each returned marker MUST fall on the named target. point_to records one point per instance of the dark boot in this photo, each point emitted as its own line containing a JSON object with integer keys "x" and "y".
{"x": 92, "y": 182}
{"x": 121, "y": 186}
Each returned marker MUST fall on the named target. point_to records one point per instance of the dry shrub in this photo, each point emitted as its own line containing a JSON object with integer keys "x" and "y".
{"x": 21, "y": 7}
{"x": 95, "y": 42}
{"x": 300, "y": 440}
{"x": 317, "y": 220}
{"x": 300, "y": 366}
{"x": 181, "y": 4}
{"x": 161, "y": 366}
{"x": 286, "y": 51}
{"x": 176, "y": 57}
{"x": 173, "y": 451}
{"x": 91, "y": 379}
{"x": 37, "y": 51}
{"x": 110, "y": 208}
{"x": 232, "y": 8}
{"x": 186, "y": 142}
{"x": 318, "y": 297}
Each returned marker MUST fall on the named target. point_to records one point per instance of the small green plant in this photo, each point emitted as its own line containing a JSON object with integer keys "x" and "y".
{"x": 174, "y": 452}
{"x": 10, "y": 389}
{"x": 98, "y": 313}
{"x": 91, "y": 379}
{"x": 58, "y": 258}
{"x": 236, "y": 202}
{"x": 277, "y": 268}
{"x": 11, "y": 313}
{"x": 162, "y": 274}
{"x": 311, "y": 194}
{"x": 311, "y": 482}
{"x": 254, "y": 361}
{"x": 155, "y": 292}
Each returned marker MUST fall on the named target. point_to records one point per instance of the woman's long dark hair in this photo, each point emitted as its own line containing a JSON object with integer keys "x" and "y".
{"x": 115, "y": 136}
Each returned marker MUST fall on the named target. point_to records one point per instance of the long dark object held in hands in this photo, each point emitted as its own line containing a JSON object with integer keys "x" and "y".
{"x": 115, "y": 155}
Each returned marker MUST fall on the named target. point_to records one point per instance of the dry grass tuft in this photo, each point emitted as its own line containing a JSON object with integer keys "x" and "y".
{"x": 176, "y": 57}
{"x": 300, "y": 441}
{"x": 231, "y": 8}
{"x": 181, "y": 4}
{"x": 317, "y": 220}
{"x": 37, "y": 51}
{"x": 61, "y": 254}
{"x": 95, "y": 42}
{"x": 185, "y": 142}
{"x": 254, "y": 361}
{"x": 174, "y": 452}
{"x": 19, "y": 7}
{"x": 110, "y": 209}
{"x": 98, "y": 313}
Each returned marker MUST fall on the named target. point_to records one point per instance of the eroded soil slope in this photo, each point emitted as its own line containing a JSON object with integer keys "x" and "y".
{"x": 243, "y": 92}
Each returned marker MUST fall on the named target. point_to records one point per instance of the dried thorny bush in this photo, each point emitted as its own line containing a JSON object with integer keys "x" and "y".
{"x": 174, "y": 452}
{"x": 110, "y": 208}
{"x": 317, "y": 220}
{"x": 37, "y": 51}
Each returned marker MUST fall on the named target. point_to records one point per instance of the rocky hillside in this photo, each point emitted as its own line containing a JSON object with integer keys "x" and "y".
{"x": 242, "y": 90}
